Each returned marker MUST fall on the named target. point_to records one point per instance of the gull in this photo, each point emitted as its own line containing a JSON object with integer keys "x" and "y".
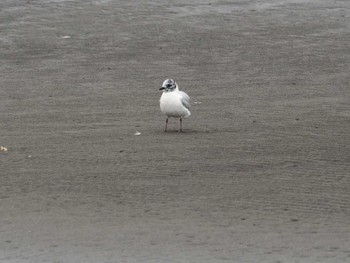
{"x": 173, "y": 102}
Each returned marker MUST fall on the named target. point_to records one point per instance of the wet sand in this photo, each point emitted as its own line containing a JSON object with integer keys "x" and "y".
{"x": 261, "y": 173}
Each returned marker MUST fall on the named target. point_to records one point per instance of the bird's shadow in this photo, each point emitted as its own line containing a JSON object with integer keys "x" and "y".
{"x": 194, "y": 131}
{"x": 185, "y": 131}
{"x": 176, "y": 131}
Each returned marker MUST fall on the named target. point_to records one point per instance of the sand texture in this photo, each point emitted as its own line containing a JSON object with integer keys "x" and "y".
{"x": 260, "y": 174}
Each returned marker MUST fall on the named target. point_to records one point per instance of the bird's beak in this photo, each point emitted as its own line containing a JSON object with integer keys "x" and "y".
{"x": 161, "y": 88}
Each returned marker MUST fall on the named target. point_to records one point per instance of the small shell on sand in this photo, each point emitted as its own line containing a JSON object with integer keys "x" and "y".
{"x": 3, "y": 149}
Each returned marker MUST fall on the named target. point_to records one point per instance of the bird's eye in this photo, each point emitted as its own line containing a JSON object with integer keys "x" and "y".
{"x": 168, "y": 85}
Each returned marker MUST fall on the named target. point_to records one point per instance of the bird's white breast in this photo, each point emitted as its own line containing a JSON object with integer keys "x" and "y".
{"x": 171, "y": 105}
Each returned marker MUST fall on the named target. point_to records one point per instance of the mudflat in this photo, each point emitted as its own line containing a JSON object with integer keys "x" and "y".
{"x": 260, "y": 173}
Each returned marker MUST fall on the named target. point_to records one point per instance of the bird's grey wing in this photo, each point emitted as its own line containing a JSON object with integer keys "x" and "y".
{"x": 185, "y": 99}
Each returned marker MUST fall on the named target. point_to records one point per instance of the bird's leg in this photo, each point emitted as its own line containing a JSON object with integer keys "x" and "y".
{"x": 166, "y": 124}
{"x": 180, "y": 124}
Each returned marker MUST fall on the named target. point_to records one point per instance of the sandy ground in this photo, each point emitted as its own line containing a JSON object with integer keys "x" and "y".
{"x": 261, "y": 173}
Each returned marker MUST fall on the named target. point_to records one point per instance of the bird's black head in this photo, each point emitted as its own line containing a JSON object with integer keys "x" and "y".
{"x": 169, "y": 85}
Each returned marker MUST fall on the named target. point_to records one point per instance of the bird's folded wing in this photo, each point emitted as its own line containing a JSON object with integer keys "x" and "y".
{"x": 185, "y": 99}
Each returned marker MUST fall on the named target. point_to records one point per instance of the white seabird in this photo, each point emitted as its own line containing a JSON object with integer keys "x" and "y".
{"x": 173, "y": 102}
